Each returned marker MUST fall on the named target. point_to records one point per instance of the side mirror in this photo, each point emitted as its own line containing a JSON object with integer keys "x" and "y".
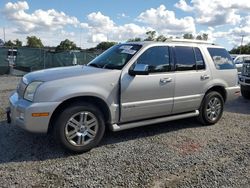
{"x": 139, "y": 69}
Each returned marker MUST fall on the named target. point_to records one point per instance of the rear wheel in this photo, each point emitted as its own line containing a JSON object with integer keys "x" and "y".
{"x": 211, "y": 108}
{"x": 80, "y": 127}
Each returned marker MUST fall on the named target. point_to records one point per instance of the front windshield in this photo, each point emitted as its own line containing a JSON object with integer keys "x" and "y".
{"x": 115, "y": 57}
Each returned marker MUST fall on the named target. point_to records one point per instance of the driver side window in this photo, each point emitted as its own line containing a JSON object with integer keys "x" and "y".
{"x": 157, "y": 59}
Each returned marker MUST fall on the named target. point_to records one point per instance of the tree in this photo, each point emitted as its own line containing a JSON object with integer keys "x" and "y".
{"x": 150, "y": 36}
{"x": 204, "y": 36}
{"x": 9, "y": 43}
{"x": 105, "y": 45}
{"x": 34, "y": 42}
{"x": 137, "y": 39}
{"x": 244, "y": 49}
{"x": 198, "y": 37}
{"x": 18, "y": 43}
{"x": 188, "y": 36}
{"x": 1, "y": 42}
{"x": 66, "y": 45}
{"x": 161, "y": 38}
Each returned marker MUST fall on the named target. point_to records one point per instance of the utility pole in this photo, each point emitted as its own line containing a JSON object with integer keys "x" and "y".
{"x": 4, "y": 34}
{"x": 242, "y": 37}
{"x": 81, "y": 38}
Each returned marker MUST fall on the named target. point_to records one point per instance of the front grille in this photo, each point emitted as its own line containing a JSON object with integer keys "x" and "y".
{"x": 247, "y": 81}
{"x": 246, "y": 69}
{"x": 21, "y": 88}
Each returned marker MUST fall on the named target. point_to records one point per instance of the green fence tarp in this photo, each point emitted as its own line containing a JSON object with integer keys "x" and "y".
{"x": 4, "y": 63}
{"x": 30, "y": 59}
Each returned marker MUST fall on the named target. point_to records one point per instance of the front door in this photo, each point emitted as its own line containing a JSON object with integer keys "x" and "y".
{"x": 148, "y": 96}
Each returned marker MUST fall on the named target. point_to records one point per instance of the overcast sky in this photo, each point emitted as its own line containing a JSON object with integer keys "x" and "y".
{"x": 88, "y": 22}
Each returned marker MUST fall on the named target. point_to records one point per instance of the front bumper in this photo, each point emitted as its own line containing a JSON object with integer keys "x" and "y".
{"x": 20, "y": 114}
{"x": 244, "y": 80}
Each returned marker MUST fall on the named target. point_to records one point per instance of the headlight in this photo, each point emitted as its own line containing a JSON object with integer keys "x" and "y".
{"x": 30, "y": 90}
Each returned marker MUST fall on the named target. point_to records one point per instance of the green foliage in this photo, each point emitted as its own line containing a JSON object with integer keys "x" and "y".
{"x": 18, "y": 43}
{"x": 161, "y": 38}
{"x": 244, "y": 49}
{"x": 66, "y": 45}
{"x": 34, "y": 42}
{"x": 188, "y": 36}
{"x": 204, "y": 36}
{"x": 137, "y": 39}
{"x": 9, "y": 43}
{"x": 199, "y": 37}
{"x": 105, "y": 45}
{"x": 150, "y": 35}
{"x": 15, "y": 43}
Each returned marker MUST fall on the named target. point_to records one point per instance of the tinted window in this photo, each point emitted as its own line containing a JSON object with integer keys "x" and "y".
{"x": 185, "y": 58}
{"x": 115, "y": 57}
{"x": 199, "y": 59}
{"x": 157, "y": 59}
{"x": 247, "y": 59}
{"x": 221, "y": 58}
{"x": 239, "y": 60}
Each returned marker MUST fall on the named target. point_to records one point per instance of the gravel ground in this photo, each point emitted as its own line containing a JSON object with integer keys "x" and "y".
{"x": 174, "y": 154}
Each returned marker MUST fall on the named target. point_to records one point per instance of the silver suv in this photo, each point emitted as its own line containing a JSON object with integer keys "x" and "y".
{"x": 129, "y": 85}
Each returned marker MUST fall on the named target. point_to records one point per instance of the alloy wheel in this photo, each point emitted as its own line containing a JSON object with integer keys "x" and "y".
{"x": 81, "y": 128}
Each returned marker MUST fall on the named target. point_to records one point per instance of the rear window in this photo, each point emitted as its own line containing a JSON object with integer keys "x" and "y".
{"x": 221, "y": 58}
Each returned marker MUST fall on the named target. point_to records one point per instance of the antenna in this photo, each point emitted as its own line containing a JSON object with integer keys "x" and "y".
{"x": 242, "y": 37}
{"x": 4, "y": 34}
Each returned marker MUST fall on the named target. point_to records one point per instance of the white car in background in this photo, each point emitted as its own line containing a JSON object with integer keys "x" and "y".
{"x": 239, "y": 60}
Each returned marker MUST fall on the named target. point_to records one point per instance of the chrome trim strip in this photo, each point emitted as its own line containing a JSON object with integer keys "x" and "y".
{"x": 116, "y": 127}
{"x": 189, "y": 97}
{"x": 146, "y": 102}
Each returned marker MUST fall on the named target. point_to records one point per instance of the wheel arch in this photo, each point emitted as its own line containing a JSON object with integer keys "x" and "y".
{"x": 90, "y": 99}
{"x": 220, "y": 89}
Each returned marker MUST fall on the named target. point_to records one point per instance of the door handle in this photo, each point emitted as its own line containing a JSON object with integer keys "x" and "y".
{"x": 205, "y": 77}
{"x": 165, "y": 80}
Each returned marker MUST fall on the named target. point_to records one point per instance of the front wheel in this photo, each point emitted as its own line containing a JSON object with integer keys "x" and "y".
{"x": 80, "y": 127}
{"x": 211, "y": 108}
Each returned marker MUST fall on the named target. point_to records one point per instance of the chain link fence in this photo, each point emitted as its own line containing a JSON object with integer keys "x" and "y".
{"x": 23, "y": 60}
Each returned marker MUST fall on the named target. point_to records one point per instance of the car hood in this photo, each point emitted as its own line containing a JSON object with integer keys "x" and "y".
{"x": 61, "y": 73}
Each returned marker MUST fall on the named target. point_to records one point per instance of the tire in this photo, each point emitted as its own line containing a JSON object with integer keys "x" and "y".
{"x": 244, "y": 92}
{"x": 211, "y": 108}
{"x": 80, "y": 127}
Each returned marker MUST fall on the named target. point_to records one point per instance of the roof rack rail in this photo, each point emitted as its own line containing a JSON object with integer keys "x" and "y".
{"x": 190, "y": 41}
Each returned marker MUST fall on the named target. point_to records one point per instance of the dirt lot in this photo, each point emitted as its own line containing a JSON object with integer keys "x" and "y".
{"x": 174, "y": 154}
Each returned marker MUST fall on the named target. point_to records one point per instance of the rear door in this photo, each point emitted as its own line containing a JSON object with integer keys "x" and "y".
{"x": 192, "y": 76}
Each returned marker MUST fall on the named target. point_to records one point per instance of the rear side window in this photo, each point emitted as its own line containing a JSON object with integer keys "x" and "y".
{"x": 221, "y": 58}
{"x": 185, "y": 58}
{"x": 200, "y": 64}
{"x": 188, "y": 58}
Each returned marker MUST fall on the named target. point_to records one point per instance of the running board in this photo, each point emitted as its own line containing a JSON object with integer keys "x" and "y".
{"x": 120, "y": 127}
